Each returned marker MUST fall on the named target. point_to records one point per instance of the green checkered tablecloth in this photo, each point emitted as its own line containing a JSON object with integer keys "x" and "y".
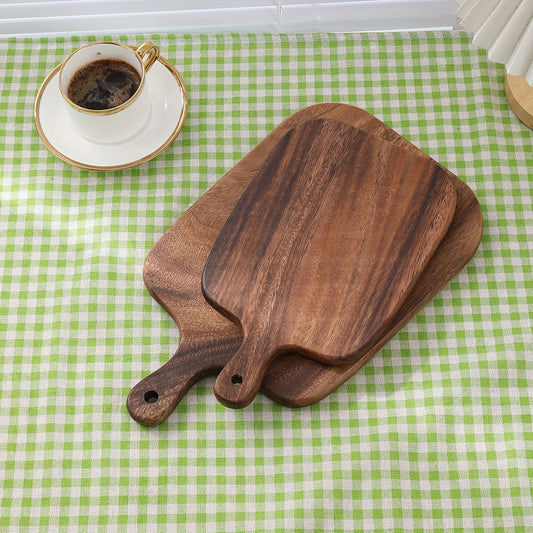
{"x": 433, "y": 434}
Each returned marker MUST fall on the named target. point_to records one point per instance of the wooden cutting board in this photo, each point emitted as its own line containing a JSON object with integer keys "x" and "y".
{"x": 173, "y": 269}
{"x": 322, "y": 249}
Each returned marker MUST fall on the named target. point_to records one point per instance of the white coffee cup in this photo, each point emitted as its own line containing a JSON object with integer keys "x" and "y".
{"x": 119, "y": 123}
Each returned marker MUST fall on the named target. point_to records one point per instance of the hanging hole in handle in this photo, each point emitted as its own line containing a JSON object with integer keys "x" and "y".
{"x": 236, "y": 379}
{"x": 151, "y": 396}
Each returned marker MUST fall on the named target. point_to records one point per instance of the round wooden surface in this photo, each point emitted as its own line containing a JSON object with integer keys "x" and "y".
{"x": 520, "y": 96}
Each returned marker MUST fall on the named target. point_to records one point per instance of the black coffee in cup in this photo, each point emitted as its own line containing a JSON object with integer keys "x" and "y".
{"x": 103, "y": 84}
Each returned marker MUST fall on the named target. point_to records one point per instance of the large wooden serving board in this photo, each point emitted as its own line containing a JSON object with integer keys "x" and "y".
{"x": 173, "y": 269}
{"x": 323, "y": 247}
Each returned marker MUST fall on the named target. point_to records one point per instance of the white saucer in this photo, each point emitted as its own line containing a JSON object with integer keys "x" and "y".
{"x": 169, "y": 108}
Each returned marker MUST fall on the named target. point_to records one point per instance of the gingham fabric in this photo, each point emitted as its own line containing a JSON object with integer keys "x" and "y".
{"x": 433, "y": 434}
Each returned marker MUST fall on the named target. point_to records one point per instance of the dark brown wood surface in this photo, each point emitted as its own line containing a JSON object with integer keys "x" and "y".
{"x": 173, "y": 269}
{"x": 304, "y": 381}
{"x": 322, "y": 249}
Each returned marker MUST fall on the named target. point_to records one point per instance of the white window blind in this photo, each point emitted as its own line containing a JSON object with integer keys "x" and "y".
{"x": 64, "y": 17}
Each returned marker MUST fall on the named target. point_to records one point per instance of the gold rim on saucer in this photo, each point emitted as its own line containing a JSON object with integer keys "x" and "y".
{"x": 129, "y": 164}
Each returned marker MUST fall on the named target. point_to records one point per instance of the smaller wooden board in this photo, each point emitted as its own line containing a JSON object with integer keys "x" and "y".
{"x": 323, "y": 248}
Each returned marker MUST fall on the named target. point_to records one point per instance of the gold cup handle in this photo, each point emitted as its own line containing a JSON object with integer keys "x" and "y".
{"x": 148, "y": 52}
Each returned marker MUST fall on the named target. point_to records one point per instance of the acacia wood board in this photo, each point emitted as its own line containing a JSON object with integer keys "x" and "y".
{"x": 322, "y": 249}
{"x": 173, "y": 269}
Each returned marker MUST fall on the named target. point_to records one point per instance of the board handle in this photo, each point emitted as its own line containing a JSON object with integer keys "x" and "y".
{"x": 241, "y": 378}
{"x": 154, "y": 398}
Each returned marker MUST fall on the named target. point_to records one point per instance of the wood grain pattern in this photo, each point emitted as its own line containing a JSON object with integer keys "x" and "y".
{"x": 310, "y": 381}
{"x": 173, "y": 269}
{"x": 323, "y": 247}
